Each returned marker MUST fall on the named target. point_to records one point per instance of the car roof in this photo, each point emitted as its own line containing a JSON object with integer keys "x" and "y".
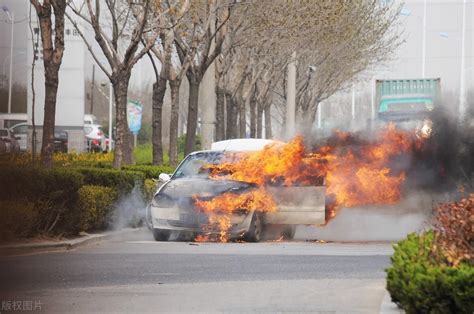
{"x": 18, "y": 124}
{"x": 242, "y": 144}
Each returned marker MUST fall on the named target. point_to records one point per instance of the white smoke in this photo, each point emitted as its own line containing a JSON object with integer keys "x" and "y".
{"x": 129, "y": 210}
{"x": 376, "y": 223}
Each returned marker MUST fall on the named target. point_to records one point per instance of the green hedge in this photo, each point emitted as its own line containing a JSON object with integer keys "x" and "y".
{"x": 18, "y": 219}
{"x": 149, "y": 171}
{"x": 64, "y": 200}
{"x": 96, "y": 206}
{"x": 53, "y": 194}
{"x": 422, "y": 282}
{"x": 121, "y": 180}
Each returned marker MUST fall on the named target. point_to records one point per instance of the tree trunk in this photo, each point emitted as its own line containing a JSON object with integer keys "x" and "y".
{"x": 122, "y": 153}
{"x": 259, "y": 120}
{"x": 220, "y": 113}
{"x": 192, "y": 116}
{"x": 51, "y": 91}
{"x": 174, "y": 122}
{"x": 52, "y": 59}
{"x": 231, "y": 131}
{"x": 242, "y": 120}
{"x": 159, "y": 90}
{"x": 253, "y": 117}
{"x": 307, "y": 121}
{"x": 268, "y": 122}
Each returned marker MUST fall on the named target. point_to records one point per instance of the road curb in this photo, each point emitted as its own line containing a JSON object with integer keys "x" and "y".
{"x": 388, "y": 307}
{"x": 62, "y": 245}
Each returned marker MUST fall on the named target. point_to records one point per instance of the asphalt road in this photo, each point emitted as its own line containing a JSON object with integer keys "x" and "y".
{"x": 136, "y": 274}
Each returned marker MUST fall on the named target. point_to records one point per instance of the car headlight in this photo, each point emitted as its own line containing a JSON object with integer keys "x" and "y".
{"x": 162, "y": 201}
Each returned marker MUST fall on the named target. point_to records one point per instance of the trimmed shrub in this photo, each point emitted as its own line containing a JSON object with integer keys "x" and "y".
{"x": 421, "y": 281}
{"x": 96, "y": 206}
{"x": 17, "y": 219}
{"x": 150, "y": 171}
{"x": 454, "y": 230}
{"x": 123, "y": 181}
{"x": 149, "y": 188}
{"x": 53, "y": 194}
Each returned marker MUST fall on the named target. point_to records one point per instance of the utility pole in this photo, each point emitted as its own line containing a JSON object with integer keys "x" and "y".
{"x": 110, "y": 115}
{"x": 291, "y": 98}
{"x": 423, "y": 57}
{"x": 208, "y": 101}
{"x": 10, "y": 79}
{"x": 353, "y": 107}
{"x": 92, "y": 88}
{"x": 462, "y": 96}
{"x": 320, "y": 118}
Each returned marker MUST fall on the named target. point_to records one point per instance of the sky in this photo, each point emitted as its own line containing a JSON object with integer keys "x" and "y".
{"x": 443, "y": 45}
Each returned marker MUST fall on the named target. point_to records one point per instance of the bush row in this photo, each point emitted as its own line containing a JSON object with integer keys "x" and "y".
{"x": 421, "y": 280}
{"x": 150, "y": 171}
{"x": 66, "y": 200}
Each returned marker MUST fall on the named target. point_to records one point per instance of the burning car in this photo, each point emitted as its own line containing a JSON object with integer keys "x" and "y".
{"x": 197, "y": 201}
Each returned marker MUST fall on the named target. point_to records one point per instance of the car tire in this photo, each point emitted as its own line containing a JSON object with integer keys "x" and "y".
{"x": 289, "y": 232}
{"x": 256, "y": 229}
{"x": 161, "y": 235}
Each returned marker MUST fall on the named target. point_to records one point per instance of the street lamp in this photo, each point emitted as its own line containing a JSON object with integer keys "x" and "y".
{"x": 406, "y": 12}
{"x": 11, "y": 17}
{"x": 462, "y": 92}
{"x": 110, "y": 98}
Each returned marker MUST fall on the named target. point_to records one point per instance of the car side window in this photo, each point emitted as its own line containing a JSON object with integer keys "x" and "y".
{"x": 21, "y": 129}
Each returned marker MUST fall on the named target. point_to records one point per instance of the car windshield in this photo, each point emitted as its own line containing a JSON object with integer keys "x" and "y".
{"x": 193, "y": 165}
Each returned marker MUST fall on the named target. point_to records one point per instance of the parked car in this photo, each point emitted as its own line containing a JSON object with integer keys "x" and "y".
{"x": 10, "y": 144}
{"x": 7, "y": 120}
{"x": 90, "y": 119}
{"x": 21, "y": 133}
{"x": 95, "y": 138}
{"x": 109, "y": 143}
{"x": 172, "y": 208}
{"x": 60, "y": 141}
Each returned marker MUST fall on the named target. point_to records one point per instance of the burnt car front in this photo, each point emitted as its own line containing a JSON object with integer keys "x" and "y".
{"x": 173, "y": 209}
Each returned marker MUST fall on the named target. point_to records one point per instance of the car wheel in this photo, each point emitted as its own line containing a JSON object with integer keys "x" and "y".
{"x": 289, "y": 232}
{"x": 255, "y": 233}
{"x": 161, "y": 235}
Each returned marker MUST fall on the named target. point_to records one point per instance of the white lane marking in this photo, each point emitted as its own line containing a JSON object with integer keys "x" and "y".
{"x": 152, "y": 242}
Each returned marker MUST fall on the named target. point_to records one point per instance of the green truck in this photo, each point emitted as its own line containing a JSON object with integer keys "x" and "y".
{"x": 406, "y": 100}
{"x": 408, "y": 103}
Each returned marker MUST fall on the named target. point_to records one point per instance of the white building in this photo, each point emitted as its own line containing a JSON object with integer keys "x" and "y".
{"x": 71, "y": 91}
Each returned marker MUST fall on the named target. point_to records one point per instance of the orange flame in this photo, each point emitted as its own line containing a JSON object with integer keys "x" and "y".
{"x": 355, "y": 174}
{"x": 220, "y": 208}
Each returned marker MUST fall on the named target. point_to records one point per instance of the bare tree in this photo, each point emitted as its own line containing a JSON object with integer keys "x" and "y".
{"x": 119, "y": 35}
{"x": 198, "y": 34}
{"x": 164, "y": 51}
{"x": 53, "y": 50}
{"x": 335, "y": 41}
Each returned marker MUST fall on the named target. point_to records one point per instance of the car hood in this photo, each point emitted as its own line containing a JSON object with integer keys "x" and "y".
{"x": 202, "y": 187}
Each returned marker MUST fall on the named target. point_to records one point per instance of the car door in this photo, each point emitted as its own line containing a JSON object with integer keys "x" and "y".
{"x": 21, "y": 132}
{"x": 298, "y": 205}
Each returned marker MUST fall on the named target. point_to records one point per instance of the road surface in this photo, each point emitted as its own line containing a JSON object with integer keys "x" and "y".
{"x": 136, "y": 274}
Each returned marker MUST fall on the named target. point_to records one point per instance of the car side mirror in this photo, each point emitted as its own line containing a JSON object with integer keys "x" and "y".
{"x": 164, "y": 177}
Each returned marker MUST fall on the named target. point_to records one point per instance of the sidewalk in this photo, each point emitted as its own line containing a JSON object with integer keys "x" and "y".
{"x": 388, "y": 307}
{"x": 69, "y": 244}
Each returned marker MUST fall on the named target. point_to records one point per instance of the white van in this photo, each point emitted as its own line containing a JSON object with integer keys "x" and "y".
{"x": 90, "y": 119}
{"x": 7, "y": 120}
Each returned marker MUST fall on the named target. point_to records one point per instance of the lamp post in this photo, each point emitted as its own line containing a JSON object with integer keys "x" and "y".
{"x": 462, "y": 92}
{"x": 423, "y": 58}
{"x": 11, "y": 17}
{"x": 111, "y": 103}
